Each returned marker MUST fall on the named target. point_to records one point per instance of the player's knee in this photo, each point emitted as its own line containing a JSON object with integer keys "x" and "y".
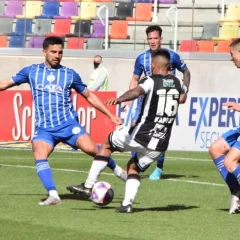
{"x": 216, "y": 149}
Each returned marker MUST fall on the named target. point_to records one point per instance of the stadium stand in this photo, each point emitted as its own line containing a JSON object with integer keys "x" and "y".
{"x": 61, "y": 28}
{"x": 17, "y": 42}
{"x": 188, "y": 46}
{"x": 42, "y": 27}
{"x": 223, "y": 47}
{"x": 3, "y": 41}
{"x": 143, "y": 12}
{"x": 50, "y": 10}
{"x": 124, "y": 10}
{"x": 233, "y": 13}
{"x": 32, "y": 9}
{"x": 228, "y": 31}
{"x": 95, "y": 43}
{"x": 23, "y": 27}
{"x": 205, "y": 46}
{"x": 35, "y": 42}
{"x": 68, "y": 10}
{"x": 13, "y": 8}
{"x": 75, "y": 43}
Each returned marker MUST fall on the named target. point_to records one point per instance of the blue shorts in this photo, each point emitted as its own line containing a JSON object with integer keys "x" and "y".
{"x": 68, "y": 133}
{"x": 232, "y": 137}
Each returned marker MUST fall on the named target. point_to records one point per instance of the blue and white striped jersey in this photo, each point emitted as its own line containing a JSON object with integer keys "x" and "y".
{"x": 143, "y": 63}
{"x": 51, "y": 92}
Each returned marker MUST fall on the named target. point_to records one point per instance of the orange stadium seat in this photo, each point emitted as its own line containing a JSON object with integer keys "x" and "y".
{"x": 188, "y": 46}
{"x": 205, "y": 46}
{"x": 75, "y": 43}
{"x": 143, "y": 12}
{"x": 223, "y": 47}
{"x": 61, "y": 28}
{"x": 3, "y": 41}
{"x": 119, "y": 29}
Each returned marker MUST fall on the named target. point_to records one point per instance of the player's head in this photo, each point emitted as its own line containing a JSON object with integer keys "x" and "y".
{"x": 97, "y": 61}
{"x": 154, "y": 37}
{"x": 160, "y": 61}
{"x": 53, "y": 51}
{"x": 235, "y": 52}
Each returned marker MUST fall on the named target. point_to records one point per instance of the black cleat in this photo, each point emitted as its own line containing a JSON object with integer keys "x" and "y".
{"x": 80, "y": 189}
{"x": 125, "y": 209}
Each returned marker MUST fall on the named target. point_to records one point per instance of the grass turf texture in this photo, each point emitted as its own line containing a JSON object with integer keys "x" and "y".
{"x": 190, "y": 202}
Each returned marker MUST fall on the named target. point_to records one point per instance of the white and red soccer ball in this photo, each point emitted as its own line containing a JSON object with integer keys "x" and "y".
{"x": 102, "y": 193}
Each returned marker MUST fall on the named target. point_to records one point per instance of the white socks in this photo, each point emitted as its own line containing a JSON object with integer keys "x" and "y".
{"x": 130, "y": 191}
{"x": 54, "y": 194}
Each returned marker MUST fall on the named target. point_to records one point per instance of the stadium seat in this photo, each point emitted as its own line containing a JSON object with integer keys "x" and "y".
{"x": 68, "y": 10}
{"x": 143, "y": 12}
{"x": 5, "y": 25}
{"x": 105, "y": 1}
{"x": 3, "y": 41}
{"x": 98, "y": 30}
{"x": 188, "y": 46}
{"x": 210, "y": 30}
{"x": 65, "y": 0}
{"x": 119, "y": 30}
{"x": 42, "y": 27}
{"x": 124, "y": 10}
{"x": 223, "y": 47}
{"x": 82, "y": 27}
{"x": 232, "y": 14}
{"x": 13, "y": 9}
{"x": 167, "y": 1}
{"x": 17, "y": 42}
{"x": 142, "y": 1}
{"x": 32, "y": 9}
{"x": 50, "y": 9}
{"x": 61, "y": 28}
{"x": 228, "y": 31}
{"x": 111, "y": 10}
{"x": 95, "y": 43}
{"x": 205, "y": 46}
{"x": 36, "y": 42}
{"x": 75, "y": 43}
{"x": 87, "y": 11}
{"x": 2, "y": 7}
{"x": 23, "y": 27}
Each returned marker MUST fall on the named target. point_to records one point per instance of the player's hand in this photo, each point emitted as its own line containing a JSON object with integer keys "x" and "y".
{"x": 111, "y": 101}
{"x": 116, "y": 120}
{"x": 232, "y": 106}
{"x": 183, "y": 98}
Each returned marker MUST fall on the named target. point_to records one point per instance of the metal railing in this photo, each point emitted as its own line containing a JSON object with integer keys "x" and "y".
{"x": 106, "y": 23}
{"x": 174, "y": 24}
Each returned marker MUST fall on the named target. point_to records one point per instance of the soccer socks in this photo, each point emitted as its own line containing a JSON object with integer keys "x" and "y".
{"x": 111, "y": 163}
{"x": 160, "y": 161}
{"x": 45, "y": 174}
{"x": 133, "y": 153}
{"x": 98, "y": 165}
{"x": 131, "y": 188}
{"x": 229, "y": 178}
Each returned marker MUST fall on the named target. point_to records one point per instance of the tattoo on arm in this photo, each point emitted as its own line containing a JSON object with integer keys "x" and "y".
{"x": 131, "y": 94}
{"x": 186, "y": 77}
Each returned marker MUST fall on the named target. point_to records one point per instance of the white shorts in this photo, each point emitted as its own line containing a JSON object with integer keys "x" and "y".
{"x": 122, "y": 141}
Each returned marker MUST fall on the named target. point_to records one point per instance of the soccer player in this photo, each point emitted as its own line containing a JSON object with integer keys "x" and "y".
{"x": 150, "y": 136}
{"x": 225, "y": 151}
{"x": 143, "y": 66}
{"x": 51, "y": 85}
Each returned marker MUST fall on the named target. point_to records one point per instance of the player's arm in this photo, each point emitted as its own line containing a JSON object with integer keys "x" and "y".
{"x": 232, "y": 106}
{"x": 134, "y": 81}
{"x": 5, "y": 84}
{"x": 99, "y": 105}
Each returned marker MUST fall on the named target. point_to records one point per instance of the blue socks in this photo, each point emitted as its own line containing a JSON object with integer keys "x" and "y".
{"x": 111, "y": 163}
{"x": 236, "y": 173}
{"x": 160, "y": 161}
{"x": 229, "y": 178}
{"x": 45, "y": 174}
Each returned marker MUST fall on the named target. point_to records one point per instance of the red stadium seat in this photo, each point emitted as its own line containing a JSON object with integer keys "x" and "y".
{"x": 143, "y": 12}
{"x": 3, "y": 41}
{"x": 61, "y": 28}
{"x": 223, "y": 46}
{"x": 206, "y": 46}
{"x": 119, "y": 29}
{"x": 75, "y": 43}
{"x": 188, "y": 46}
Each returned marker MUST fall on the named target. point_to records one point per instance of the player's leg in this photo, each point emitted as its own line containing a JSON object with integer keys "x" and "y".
{"x": 218, "y": 151}
{"x": 140, "y": 162}
{"x": 157, "y": 173}
{"x": 42, "y": 145}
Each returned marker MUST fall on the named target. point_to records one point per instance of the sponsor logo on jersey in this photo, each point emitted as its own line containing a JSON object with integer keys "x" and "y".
{"x": 50, "y": 88}
{"x": 168, "y": 83}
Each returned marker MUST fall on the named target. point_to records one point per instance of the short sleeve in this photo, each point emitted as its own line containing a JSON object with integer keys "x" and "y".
{"x": 178, "y": 63}
{"x": 138, "y": 69}
{"x": 77, "y": 84}
{"x": 22, "y": 76}
{"x": 147, "y": 84}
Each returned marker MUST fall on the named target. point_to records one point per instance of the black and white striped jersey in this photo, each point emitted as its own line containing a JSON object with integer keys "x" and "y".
{"x": 158, "y": 111}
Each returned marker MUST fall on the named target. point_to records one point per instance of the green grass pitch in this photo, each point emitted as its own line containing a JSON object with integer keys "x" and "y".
{"x": 190, "y": 202}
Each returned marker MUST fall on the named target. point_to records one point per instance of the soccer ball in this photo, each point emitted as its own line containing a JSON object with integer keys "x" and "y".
{"x": 102, "y": 193}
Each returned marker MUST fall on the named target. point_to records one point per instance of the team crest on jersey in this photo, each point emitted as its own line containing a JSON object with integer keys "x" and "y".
{"x": 51, "y": 78}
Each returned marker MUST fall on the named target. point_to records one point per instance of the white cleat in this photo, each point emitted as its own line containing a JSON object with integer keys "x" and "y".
{"x": 235, "y": 205}
{"x": 50, "y": 201}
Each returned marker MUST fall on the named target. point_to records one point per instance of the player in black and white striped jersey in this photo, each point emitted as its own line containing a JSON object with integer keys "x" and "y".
{"x": 150, "y": 136}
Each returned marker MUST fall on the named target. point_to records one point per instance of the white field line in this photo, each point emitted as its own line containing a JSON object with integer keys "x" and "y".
{"x": 110, "y": 174}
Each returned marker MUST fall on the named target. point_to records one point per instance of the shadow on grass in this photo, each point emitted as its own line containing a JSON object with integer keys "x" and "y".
{"x": 171, "y": 176}
{"x": 169, "y": 208}
{"x": 71, "y": 196}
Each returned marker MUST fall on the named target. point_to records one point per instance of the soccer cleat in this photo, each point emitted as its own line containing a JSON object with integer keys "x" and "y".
{"x": 235, "y": 205}
{"x": 125, "y": 209}
{"x": 156, "y": 175}
{"x": 80, "y": 189}
{"x": 50, "y": 201}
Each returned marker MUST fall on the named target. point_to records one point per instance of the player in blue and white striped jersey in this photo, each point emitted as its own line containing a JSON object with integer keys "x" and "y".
{"x": 55, "y": 118}
{"x": 143, "y": 66}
